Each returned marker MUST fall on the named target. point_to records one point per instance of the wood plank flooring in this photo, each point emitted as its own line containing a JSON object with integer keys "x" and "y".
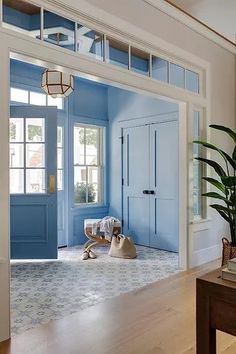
{"x": 157, "y": 319}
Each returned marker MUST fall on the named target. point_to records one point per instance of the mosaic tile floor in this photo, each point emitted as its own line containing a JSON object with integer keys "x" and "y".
{"x": 47, "y": 290}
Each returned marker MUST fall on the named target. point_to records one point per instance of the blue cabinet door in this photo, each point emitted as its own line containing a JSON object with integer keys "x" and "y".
{"x": 164, "y": 210}
{"x": 150, "y": 165}
{"x": 135, "y": 181}
{"x": 33, "y": 182}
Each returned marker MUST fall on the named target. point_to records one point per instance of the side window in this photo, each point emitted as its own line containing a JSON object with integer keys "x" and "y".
{"x": 198, "y": 207}
{"x": 60, "y": 159}
{"x": 87, "y": 164}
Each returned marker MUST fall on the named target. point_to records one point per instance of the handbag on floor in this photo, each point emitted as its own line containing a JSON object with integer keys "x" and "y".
{"x": 122, "y": 247}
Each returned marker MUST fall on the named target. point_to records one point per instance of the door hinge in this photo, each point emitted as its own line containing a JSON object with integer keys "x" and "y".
{"x": 123, "y": 182}
{"x": 122, "y": 223}
{"x": 122, "y": 140}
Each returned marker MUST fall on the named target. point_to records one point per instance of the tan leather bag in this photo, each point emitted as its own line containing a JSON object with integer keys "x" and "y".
{"x": 122, "y": 247}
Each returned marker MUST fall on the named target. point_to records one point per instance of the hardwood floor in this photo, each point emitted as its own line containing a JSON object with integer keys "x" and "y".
{"x": 157, "y": 319}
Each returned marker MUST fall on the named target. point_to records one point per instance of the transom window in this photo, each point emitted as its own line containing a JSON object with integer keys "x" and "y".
{"x": 27, "y": 155}
{"x": 34, "y": 98}
{"x": 87, "y": 164}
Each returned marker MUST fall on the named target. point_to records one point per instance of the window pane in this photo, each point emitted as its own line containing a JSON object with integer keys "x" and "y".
{"x": 59, "y": 30}
{"x": 59, "y": 158}
{"x": 79, "y": 141}
{"x": 16, "y": 158}
{"x": 89, "y": 42}
{"x": 92, "y": 145}
{"x": 35, "y": 155}
{"x": 37, "y": 98}
{"x": 117, "y": 53}
{"x": 140, "y": 61}
{"x": 16, "y": 130}
{"x": 60, "y": 180}
{"x": 58, "y": 101}
{"x": 22, "y": 16}
{"x": 18, "y": 95}
{"x": 93, "y": 182}
{"x": 35, "y": 131}
{"x": 59, "y": 136}
{"x": 159, "y": 69}
{"x": 17, "y": 181}
{"x": 80, "y": 185}
{"x": 192, "y": 81}
{"x": 35, "y": 181}
{"x": 177, "y": 75}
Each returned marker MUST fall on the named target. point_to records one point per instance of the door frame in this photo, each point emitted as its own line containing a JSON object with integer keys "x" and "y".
{"x": 182, "y": 172}
{"x": 14, "y": 44}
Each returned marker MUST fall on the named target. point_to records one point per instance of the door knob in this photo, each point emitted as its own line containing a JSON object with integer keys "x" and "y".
{"x": 145, "y": 191}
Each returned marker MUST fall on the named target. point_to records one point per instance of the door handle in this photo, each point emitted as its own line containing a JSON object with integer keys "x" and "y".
{"x": 52, "y": 184}
{"x": 145, "y": 191}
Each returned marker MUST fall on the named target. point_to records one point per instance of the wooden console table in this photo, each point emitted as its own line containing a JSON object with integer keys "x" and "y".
{"x": 216, "y": 309}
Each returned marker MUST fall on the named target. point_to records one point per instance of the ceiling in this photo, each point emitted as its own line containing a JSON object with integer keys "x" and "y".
{"x": 22, "y": 6}
{"x": 220, "y": 15}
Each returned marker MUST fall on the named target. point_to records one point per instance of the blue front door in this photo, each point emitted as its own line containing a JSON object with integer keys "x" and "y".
{"x": 33, "y": 182}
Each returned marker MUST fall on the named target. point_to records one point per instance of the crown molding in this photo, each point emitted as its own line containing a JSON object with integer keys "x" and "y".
{"x": 188, "y": 20}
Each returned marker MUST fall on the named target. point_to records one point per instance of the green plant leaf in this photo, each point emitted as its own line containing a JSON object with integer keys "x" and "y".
{"x": 225, "y": 216}
{"x": 222, "y": 208}
{"x": 225, "y": 156}
{"x": 229, "y": 131}
{"x": 229, "y": 181}
{"x": 215, "y": 183}
{"x": 219, "y": 170}
{"x": 218, "y": 196}
{"x": 234, "y": 154}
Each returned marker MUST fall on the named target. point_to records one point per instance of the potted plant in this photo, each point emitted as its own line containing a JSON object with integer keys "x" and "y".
{"x": 226, "y": 189}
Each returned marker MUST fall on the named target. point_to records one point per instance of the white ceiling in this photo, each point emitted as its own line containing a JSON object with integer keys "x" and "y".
{"x": 217, "y": 14}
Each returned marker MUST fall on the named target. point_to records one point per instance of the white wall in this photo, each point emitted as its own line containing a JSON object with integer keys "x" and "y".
{"x": 218, "y": 14}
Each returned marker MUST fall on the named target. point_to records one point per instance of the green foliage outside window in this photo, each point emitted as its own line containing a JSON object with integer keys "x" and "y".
{"x": 80, "y": 193}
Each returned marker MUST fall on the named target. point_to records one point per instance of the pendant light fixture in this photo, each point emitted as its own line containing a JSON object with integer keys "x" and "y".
{"x": 57, "y": 84}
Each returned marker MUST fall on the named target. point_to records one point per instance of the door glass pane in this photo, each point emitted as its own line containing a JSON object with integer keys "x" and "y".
{"x": 192, "y": 81}
{"x": 117, "y": 53}
{"x": 59, "y": 158}
{"x": 18, "y": 95}
{"x": 92, "y": 144}
{"x": 93, "y": 184}
{"x": 79, "y": 141}
{"x": 37, "y": 98}
{"x": 16, "y": 130}
{"x": 60, "y": 180}
{"x": 80, "y": 185}
{"x": 89, "y": 42}
{"x": 22, "y": 16}
{"x": 35, "y": 155}
{"x": 35, "y": 130}
{"x": 160, "y": 69}
{"x": 59, "y": 137}
{"x": 177, "y": 75}
{"x": 140, "y": 61}
{"x": 16, "y": 158}
{"x": 59, "y": 30}
{"x": 35, "y": 181}
{"x": 16, "y": 181}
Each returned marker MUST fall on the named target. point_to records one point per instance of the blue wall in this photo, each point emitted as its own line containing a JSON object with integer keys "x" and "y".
{"x": 88, "y": 105}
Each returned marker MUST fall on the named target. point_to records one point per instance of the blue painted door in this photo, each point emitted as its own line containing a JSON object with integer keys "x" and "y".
{"x": 150, "y": 184}
{"x": 33, "y": 170}
{"x": 135, "y": 181}
{"x": 164, "y": 181}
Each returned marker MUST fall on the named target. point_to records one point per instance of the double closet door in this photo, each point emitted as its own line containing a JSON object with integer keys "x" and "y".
{"x": 150, "y": 185}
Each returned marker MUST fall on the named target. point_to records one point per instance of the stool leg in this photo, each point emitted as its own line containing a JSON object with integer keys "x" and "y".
{"x": 91, "y": 245}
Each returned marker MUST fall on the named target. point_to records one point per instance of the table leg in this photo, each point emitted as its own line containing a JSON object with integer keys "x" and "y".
{"x": 206, "y": 336}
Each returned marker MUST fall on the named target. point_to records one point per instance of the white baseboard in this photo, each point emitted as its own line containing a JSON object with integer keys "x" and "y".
{"x": 205, "y": 255}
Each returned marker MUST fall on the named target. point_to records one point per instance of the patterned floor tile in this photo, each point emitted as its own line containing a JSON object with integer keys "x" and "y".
{"x": 46, "y": 290}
